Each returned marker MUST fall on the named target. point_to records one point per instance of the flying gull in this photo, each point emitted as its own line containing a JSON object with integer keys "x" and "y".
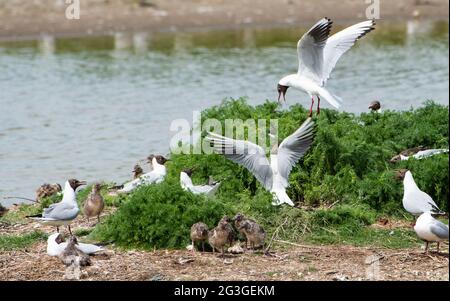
{"x": 274, "y": 175}
{"x": 317, "y": 56}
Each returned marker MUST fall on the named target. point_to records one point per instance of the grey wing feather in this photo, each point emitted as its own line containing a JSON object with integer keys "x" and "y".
{"x": 439, "y": 229}
{"x": 294, "y": 147}
{"x": 62, "y": 211}
{"x": 244, "y": 153}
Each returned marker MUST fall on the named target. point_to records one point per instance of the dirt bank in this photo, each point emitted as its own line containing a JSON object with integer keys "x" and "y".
{"x": 23, "y": 18}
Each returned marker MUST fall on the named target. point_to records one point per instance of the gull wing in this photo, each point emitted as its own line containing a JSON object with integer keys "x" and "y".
{"x": 247, "y": 154}
{"x": 294, "y": 147}
{"x": 310, "y": 50}
{"x": 340, "y": 42}
{"x": 439, "y": 229}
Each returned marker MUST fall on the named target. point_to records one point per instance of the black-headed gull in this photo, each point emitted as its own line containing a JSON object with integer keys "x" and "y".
{"x": 155, "y": 176}
{"x": 415, "y": 201}
{"x": 317, "y": 56}
{"x": 64, "y": 212}
{"x": 418, "y": 153}
{"x": 56, "y": 246}
{"x": 430, "y": 230}
{"x": 186, "y": 184}
{"x": 274, "y": 175}
{"x": 375, "y": 106}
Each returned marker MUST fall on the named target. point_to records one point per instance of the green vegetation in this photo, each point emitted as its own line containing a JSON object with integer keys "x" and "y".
{"x": 347, "y": 167}
{"x": 10, "y": 242}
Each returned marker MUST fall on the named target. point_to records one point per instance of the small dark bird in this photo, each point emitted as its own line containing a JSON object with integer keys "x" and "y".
{"x": 375, "y": 106}
{"x": 94, "y": 203}
{"x": 137, "y": 171}
{"x": 73, "y": 256}
{"x": 199, "y": 232}
{"x": 3, "y": 210}
{"x": 221, "y": 235}
{"x": 47, "y": 190}
{"x": 253, "y": 232}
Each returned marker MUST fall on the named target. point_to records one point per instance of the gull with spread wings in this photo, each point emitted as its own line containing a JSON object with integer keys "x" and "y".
{"x": 272, "y": 175}
{"x": 317, "y": 56}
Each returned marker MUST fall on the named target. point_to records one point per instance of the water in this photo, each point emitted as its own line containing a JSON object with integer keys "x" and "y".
{"x": 92, "y": 107}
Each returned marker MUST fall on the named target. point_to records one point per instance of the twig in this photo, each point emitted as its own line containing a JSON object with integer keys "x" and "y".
{"x": 273, "y": 235}
{"x": 332, "y": 205}
{"x": 20, "y": 198}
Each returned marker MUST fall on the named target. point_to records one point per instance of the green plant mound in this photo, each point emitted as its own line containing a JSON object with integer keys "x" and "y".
{"x": 347, "y": 168}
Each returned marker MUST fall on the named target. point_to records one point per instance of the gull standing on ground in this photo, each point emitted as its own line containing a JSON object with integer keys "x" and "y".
{"x": 274, "y": 175}
{"x": 64, "y": 212}
{"x": 155, "y": 176}
{"x": 94, "y": 203}
{"x": 317, "y": 56}
{"x": 415, "y": 201}
{"x": 430, "y": 229}
{"x": 56, "y": 246}
{"x": 186, "y": 184}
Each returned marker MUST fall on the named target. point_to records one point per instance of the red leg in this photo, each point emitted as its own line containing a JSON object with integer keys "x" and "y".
{"x": 318, "y": 105}
{"x": 310, "y": 109}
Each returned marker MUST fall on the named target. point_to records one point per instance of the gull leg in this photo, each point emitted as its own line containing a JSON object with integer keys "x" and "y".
{"x": 70, "y": 231}
{"x": 57, "y": 229}
{"x": 426, "y": 247}
{"x": 203, "y": 246}
{"x": 438, "y": 243}
{"x": 98, "y": 218}
{"x": 318, "y": 105}
{"x": 310, "y": 108}
{"x": 193, "y": 246}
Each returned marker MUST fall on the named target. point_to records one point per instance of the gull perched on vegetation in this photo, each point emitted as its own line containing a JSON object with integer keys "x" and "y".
{"x": 64, "y": 212}
{"x": 418, "y": 153}
{"x": 430, "y": 229}
{"x": 186, "y": 184}
{"x": 317, "y": 56}
{"x": 274, "y": 175}
{"x": 56, "y": 246}
{"x": 155, "y": 176}
{"x": 415, "y": 201}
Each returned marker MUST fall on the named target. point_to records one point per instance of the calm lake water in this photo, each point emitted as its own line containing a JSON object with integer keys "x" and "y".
{"x": 92, "y": 107}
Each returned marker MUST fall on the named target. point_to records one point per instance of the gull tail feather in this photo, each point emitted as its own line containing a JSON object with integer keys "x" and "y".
{"x": 280, "y": 197}
{"x": 334, "y": 100}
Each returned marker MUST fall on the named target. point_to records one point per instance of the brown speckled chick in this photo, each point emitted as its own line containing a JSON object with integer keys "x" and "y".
{"x": 73, "y": 256}
{"x": 94, "y": 204}
{"x": 199, "y": 232}
{"x": 46, "y": 190}
{"x": 137, "y": 171}
{"x": 221, "y": 235}
{"x": 252, "y": 231}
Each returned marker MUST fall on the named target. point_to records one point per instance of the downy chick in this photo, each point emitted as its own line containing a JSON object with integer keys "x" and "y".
{"x": 253, "y": 232}
{"x": 199, "y": 232}
{"x": 221, "y": 235}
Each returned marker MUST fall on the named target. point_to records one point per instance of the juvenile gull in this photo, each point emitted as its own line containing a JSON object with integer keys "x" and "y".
{"x": 64, "y": 212}
{"x": 221, "y": 235}
{"x": 252, "y": 231}
{"x": 199, "y": 232}
{"x": 47, "y": 190}
{"x": 94, "y": 203}
{"x": 317, "y": 56}
{"x": 137, "y": 171}
{"x": 415, "y": 201}
{"x": 430, "y": 230}
{"x": 186, "y": 184}
{"x": 274, "y": 175}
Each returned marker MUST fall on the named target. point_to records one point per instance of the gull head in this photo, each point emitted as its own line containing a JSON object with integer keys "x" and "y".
{"x": 161, "y": 160}
{"x": 400, "y": 174}
{"x": 137, "y": 171}
{"x": 375, "y": 105}
{"x": 150, "y": 159}
{"x": 74, "y": 183}
{"x": 189, "y": 171}
{"x": 282, "y": 92}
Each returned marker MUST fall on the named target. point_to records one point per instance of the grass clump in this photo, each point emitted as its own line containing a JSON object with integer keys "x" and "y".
{"x": 347, "y": 167}
{"x": 10, "y": 242}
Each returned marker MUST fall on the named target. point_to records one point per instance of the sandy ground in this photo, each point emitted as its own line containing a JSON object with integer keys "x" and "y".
{"x": 289, "y": 262}
{"x": 23, "y": 19}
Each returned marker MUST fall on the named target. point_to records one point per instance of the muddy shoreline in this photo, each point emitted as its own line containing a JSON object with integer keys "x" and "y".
{"x": 23, "y": 19}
